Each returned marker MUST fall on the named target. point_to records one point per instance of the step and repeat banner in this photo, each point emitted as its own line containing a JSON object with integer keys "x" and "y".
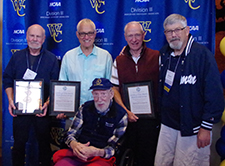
{"x": 60, "y": 17}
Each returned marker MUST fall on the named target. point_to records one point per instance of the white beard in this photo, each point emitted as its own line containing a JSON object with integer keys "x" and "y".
{"x": 37, "y": 47}
{"x": 177, "y": 46}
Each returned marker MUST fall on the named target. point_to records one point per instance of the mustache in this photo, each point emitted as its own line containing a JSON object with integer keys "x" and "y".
{"x": 34, "y": 42}
{"x": 174, "y": 39}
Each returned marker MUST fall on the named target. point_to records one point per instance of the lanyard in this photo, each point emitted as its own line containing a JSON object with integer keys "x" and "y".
{"x": 37, "y": 64}
{"x": 176, "y": 64}
{"x": 170, "y": 76}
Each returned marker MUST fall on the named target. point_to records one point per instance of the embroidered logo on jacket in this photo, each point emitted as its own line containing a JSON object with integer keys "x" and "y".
{"x": 109, "y": 124}
{"x": 188, "y": 80}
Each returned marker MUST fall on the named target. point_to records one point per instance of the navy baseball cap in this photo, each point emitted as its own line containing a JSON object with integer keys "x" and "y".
{"x": 101, "y": 84}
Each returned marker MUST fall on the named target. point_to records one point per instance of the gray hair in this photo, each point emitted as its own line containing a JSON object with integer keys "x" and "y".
{"x": 175, "y": 18}
{"x": 88, "y": 21}
{"x": 133, "y": 22}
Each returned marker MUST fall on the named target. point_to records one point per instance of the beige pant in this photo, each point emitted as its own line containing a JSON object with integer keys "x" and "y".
{"x": 174, "y": 150}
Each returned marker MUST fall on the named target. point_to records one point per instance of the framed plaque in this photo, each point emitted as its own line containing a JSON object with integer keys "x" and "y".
{"x": 139, "y": 98}
{"x": 28, "y": 96}
{"x": 64, "y": 97}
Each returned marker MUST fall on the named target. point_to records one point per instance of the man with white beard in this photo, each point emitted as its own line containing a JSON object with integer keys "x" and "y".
{"x": 190, "y": 97}
{"x": 95, "y": 129}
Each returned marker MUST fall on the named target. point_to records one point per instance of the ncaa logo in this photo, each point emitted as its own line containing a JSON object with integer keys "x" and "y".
{"x": 18, "y": 31}
{"x": 99, "y": 29}
{"x": 55, "y": 4}
{"x": 142, "y": 3}
{"x": 194, "y": 25}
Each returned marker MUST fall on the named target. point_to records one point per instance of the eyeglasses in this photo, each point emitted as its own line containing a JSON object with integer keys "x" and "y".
{"x": 83, "y": 34}
{"x": 176, "y": 31}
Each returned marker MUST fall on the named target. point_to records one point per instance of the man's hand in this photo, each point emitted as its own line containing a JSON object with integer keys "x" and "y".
{"x": 131, "y": 116}
{"x": 92, "y": 151}
{"x": 9, "y": 92}
{"x": 121, "y": 52}
{"x": 45, "y": 108}
{"x": 84, "y": 151}
{"x": 79, "y": 149}
{"x": 61, "y": 116}
{"x": 11, "y": 108}
{"x": 203, "y": 138}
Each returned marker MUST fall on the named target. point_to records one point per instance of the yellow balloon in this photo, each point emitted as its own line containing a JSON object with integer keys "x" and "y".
{"x": 222, "y": 163}
{"x": 222, "y": 46}
{"x": 223, "y": 118}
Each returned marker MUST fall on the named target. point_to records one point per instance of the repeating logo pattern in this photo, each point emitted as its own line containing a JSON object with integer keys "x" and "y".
{"x": 18, "y": 5}
{"x": 190, "y": 2}
{"x": 14, "y": 50}
{"x": 96, "y": 4}
{"x": 146, "y": 28}
{"x": 55, "y": 30}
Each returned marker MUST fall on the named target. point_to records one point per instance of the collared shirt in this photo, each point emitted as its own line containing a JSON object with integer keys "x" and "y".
{"x": 74, "y": 132}
{"x": 76, "y": 66}
{"x": 115, "y": 78}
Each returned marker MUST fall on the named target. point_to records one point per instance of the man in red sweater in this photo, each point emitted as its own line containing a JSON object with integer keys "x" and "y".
{"x": 137, "y": 63}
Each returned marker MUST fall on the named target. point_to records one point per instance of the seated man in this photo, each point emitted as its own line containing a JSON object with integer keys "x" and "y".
{"x": 95, "y": 129}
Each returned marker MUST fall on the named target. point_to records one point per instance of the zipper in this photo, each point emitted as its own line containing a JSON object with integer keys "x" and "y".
{"x": 136, "y": 67}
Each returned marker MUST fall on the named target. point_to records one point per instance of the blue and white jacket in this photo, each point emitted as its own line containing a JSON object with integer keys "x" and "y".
{"x": 201, "y": 93}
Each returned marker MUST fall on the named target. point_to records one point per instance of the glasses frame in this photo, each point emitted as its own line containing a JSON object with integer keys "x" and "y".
{"x": 176, "y": 31}
{"x": 89, "y": 34}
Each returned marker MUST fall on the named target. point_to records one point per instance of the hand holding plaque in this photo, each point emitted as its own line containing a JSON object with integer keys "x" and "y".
{"x": 64, "y": 97}
{"x": 139, "y": 99}
{"x": 28, "y": 96}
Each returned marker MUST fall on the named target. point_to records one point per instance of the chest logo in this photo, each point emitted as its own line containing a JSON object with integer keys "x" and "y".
{"x": 188, "y": 80}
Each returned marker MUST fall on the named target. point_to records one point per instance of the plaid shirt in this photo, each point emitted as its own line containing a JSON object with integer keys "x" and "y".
{"x": 74, "y": 132}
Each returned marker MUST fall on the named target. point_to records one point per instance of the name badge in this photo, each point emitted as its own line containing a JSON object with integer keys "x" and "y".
{"x": 29, "y": 75}
{"x": 168, "y": 81}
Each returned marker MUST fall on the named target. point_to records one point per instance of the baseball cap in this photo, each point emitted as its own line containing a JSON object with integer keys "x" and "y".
{"x": 101, "y": 84}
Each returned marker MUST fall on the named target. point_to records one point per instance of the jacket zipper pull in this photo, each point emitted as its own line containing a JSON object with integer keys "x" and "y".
{"x": 136, "y": 66}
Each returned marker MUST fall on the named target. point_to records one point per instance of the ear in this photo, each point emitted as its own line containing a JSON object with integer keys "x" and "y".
{"x": 144, "y": 33}
{"x": 77, "y": 34}
{"x": 111, "y": 93}
{"x": 187, "y": 29}
{"x": 125, "y": 37}
{"x": 44, "y": 39}
{"x": 95, "y": 33}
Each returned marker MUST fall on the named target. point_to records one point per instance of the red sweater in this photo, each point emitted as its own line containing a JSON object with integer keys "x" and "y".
{"x": 146, "y": 69}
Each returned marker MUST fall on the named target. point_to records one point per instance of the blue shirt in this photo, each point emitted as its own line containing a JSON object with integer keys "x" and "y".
{"x": 76, "y": 66}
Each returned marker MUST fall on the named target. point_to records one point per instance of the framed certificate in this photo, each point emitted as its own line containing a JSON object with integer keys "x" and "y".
{"x": 64, "y": 97}
{"x": 139, "y": 98}
{"x": 28, "y": 96}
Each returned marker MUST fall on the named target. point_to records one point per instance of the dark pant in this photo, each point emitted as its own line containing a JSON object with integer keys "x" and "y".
{"x": 21, "y": 130}
{"x": 142, "y": 138}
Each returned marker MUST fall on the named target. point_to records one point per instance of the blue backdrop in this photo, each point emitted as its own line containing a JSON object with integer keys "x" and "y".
{"x": 59, "y": 18}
